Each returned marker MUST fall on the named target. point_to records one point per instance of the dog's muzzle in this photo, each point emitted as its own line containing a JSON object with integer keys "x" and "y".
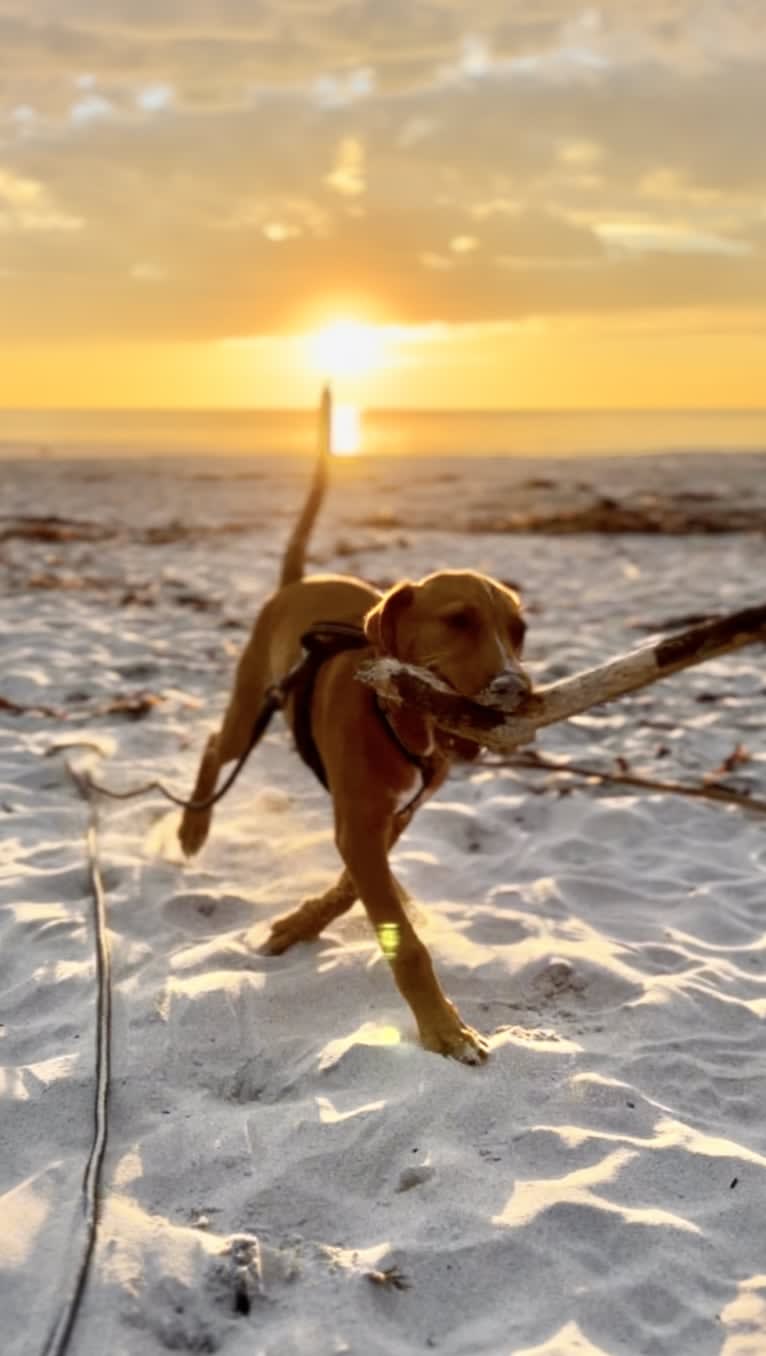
{"x": 507, "y": 690}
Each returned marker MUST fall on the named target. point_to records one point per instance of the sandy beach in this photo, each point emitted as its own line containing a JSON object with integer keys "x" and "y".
{"x": 287, "y": 1171}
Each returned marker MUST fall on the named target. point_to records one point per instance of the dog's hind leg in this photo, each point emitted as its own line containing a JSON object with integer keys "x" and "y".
{"x": 235, "y": 735}
{"x": 231, "y": 741}
{"x": 313, "y": 916}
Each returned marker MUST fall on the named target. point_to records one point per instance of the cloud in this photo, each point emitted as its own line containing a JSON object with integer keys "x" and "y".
{"x": 219, "y": 49}
{"x": 89, "y": 107}
{"x": 148, "y": 272}
{"x": 345, "y": 89}
{"x": 440, "y": 162}
{"x": 463, "y": 244}
{"x": 647, "y": 237}
{"x": 347, "y": 174}
{"x": 26, "y": 205}
{"x": 153, "y": 98}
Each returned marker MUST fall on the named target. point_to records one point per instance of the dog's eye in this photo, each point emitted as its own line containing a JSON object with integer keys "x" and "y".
{"x": 517, "y": 631}
{"x": 462, "y": 619}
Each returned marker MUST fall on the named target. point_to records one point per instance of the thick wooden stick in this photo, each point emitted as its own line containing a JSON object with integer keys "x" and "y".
{"x": 501, "y": 731}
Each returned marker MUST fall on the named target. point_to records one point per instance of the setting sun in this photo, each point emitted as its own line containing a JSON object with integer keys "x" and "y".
{"x": 346, "y": 348}
{"x": 556, "y": 215}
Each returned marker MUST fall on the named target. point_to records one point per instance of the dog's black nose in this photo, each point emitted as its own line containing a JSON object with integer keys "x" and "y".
{"x": 508, "y": 689}
{"x": 514, "y": 682}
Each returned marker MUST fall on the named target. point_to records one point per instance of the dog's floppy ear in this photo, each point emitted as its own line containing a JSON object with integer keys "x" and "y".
{"x": 380, "y": 624}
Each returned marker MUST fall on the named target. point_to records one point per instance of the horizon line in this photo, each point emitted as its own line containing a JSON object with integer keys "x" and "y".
{"x": 463, "y": 410}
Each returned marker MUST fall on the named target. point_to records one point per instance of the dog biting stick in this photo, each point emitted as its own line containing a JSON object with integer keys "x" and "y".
{"x": 443, "y": 654}
{"x": 502, "y": 732}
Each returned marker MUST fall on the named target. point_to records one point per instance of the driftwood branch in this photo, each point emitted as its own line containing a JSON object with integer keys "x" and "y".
{"x": 502, "y": 731}
{"x": 723, "y": 795}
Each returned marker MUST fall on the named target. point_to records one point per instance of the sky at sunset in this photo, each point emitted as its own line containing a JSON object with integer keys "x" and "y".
{"x": 496, "y": 204}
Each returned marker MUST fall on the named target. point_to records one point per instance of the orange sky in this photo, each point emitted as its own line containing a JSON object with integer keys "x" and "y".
{"x": 494, "y": 205}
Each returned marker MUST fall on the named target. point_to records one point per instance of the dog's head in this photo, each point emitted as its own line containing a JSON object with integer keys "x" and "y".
{"x": 463, "y": 626}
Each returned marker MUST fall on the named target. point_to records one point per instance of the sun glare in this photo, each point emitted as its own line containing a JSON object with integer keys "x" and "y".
{"x": 346, "y": 348}
{"x": 346, "y": 431}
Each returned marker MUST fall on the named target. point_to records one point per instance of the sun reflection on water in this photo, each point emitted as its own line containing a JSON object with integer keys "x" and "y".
{"x": 346, "y": 431}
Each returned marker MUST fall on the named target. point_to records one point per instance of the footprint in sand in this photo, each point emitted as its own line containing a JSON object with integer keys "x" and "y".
{"x": 204, "y": 913}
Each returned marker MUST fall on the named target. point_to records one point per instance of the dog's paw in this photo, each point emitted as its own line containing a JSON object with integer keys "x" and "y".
{"x": 452, "y": 1038}
{"x": 285, "y": 932}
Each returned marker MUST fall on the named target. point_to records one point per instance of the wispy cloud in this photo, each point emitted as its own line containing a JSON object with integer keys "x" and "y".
{"x": 348, "y": 175}
{"x": 438, "y": 162}
{"x": 641, "y": 237}
{"x": 26, "y": 205}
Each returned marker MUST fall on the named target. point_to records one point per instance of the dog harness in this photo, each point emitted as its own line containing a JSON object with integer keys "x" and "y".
{"x": 321, "y": 643}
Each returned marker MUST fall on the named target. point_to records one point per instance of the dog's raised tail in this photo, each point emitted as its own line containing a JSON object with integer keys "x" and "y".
{"x": 295, "y": 554}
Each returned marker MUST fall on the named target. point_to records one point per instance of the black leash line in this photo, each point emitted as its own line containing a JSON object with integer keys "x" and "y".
{"x": 273, "y": 701}
{"x": 60, "y": 1332}
{"x": 324, "y": 638}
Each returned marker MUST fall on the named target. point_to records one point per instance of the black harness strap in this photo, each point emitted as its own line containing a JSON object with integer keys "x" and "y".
{"x": 425, "y": 765}
{"x": 321, "y": 642}
{"x": 324, "y": 641}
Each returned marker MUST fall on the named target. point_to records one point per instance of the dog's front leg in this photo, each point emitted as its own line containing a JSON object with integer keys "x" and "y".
{"x": 364, "y": 848}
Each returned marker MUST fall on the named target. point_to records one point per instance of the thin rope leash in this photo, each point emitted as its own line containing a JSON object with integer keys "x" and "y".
{"x": 321, "y": 634}
{"x": 60, "y": 1333}
{"x": 273, "y": 701}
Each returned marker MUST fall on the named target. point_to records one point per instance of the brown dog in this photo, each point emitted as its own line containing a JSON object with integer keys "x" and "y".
{"x": 379, "y": 763}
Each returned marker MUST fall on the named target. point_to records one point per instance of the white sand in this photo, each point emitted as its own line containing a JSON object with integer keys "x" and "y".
{"x": 275, "y": 1131}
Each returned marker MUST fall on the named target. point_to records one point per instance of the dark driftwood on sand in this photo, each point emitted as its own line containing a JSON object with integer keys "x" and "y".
{"x": 502, "y": 732}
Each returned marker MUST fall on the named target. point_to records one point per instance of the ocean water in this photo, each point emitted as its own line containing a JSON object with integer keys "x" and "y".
{"x": 74, "y": 433}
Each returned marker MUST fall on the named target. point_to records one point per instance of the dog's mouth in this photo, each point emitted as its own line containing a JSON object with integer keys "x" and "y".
{"x": 506, "y": 691}
{"x": 448, "y": 682}
{"x": 437, "y": 673}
